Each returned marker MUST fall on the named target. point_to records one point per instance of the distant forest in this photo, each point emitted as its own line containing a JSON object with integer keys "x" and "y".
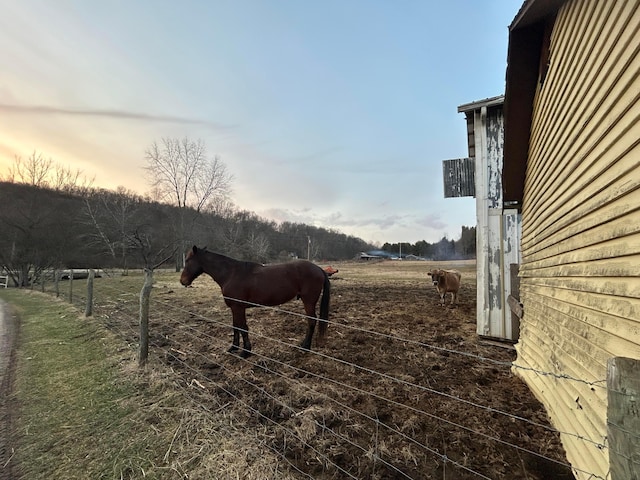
{"x": 52, "y": 217}
{"x": 43, "y": 228}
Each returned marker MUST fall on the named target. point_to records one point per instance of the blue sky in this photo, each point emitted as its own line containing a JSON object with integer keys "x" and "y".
{"x": 335, "y": 113}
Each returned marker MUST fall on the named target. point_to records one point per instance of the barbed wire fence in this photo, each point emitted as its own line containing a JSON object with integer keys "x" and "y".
{"x": 306, "y": 433}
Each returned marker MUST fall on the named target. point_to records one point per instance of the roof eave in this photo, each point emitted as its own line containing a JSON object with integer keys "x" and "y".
{"x": 487, "y": 102}
{"x": 523, "y": 57}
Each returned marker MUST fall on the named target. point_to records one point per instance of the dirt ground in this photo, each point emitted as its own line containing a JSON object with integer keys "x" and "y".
{"x": 399, "y": 391}
{"x": 391, "y": 395}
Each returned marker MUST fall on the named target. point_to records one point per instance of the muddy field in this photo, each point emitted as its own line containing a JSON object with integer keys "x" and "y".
{"x": 403, "y": 388}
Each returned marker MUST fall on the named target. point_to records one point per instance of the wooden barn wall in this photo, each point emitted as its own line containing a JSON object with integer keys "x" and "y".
{"x": 580, "y": 271}
{"x": 459, "y": 177}
{"x": 497, "y": 231}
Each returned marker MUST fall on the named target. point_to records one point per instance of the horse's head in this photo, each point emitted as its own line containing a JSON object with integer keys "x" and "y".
{"x": 192, "y": 266}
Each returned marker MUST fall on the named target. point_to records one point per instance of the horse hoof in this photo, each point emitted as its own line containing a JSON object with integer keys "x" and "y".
{"x": 245, "y": 353}
{"x": 233, "y": 349}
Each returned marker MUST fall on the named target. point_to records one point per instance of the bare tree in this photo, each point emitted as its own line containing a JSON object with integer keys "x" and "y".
{"x": 37, "y": 231}
{"x": 111, "y": 218}
{"x": 71, "y": 181}
{"x": 45, "y": 173}
{"x": 257, "y": 246}
{"x": 181, "y": 174}
{"x": 35, "y": 170}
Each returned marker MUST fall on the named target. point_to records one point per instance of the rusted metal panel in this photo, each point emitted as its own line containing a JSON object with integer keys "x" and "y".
{"x": 511, "y": 258}
{"x": 459, "y": 177}
{"x": 501, "y": 240}
{"x": 516, "y": 307}
{"x": 494, "y": 156}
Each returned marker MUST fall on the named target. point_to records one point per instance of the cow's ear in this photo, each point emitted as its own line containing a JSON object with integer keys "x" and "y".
{"x": 194, "y": 249}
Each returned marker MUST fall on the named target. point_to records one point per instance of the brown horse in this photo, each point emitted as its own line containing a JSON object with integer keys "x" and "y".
{"x": 249, "y": 284}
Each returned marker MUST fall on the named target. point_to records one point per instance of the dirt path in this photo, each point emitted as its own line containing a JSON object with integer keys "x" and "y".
{"x": 8, "y": 335}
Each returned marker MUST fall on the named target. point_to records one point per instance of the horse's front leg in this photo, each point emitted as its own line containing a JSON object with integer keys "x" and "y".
{"x": 236, "y": 340}
{"x": 240, "y": 327}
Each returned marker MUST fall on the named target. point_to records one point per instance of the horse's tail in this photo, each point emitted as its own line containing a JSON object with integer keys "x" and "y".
{"x": 324, "y": 308}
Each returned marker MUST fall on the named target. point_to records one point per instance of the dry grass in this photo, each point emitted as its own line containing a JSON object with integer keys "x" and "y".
{"x": 199, "y": 412}
{"x": 87, "y": 411}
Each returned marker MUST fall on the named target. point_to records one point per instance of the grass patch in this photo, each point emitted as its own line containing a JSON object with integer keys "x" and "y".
{"x": 77, "y": 415}
{"x": 85, "y": 410}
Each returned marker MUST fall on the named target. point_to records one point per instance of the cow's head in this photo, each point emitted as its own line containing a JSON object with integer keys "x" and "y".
{"x": 436, "y": 276}
{"x": 330, "y": 270}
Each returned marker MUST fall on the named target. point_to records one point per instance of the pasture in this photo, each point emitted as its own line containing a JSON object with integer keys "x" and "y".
{"x": 403, "y": 388}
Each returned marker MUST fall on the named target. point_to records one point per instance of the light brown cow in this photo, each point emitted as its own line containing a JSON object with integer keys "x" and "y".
{"x": 446, "y": 281}
{"x": 330, "y": 270}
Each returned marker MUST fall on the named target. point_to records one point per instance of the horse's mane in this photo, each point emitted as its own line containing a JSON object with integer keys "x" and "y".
{"x": 241, "y": 264}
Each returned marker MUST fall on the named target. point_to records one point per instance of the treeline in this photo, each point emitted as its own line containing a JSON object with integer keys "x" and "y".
{"x": 445, "y": 249}
{"x": 43, "y": 228}
{"x": 80, "y": 226}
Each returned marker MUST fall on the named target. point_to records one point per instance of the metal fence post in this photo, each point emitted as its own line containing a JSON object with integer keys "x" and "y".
{"x": 623, "y": 417}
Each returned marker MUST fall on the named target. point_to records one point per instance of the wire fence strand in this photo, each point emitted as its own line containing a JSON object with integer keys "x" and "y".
{"x": 126, "y": 307}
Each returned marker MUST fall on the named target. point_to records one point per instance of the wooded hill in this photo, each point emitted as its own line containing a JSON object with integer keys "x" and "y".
{"x": 42, "y": 228}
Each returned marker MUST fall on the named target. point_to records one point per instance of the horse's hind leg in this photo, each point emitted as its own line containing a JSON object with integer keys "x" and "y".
{"x": 306, "y": 343}
{"x": 310, "y": 310}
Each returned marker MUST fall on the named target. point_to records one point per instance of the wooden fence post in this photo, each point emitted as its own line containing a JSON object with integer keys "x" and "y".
{"x": 88, "y": 311}
{"x": 71, "y": 285}
{"x": 145, "y": 293}
{"x": 623, "y": 418}
{"x": 56, "y": 281}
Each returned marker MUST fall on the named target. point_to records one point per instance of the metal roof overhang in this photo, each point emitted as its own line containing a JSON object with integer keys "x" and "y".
{"x": 523, "y": 62}
{"x": 487, "y": 102}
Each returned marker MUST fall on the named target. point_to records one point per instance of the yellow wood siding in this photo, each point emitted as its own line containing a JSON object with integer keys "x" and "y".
{"x": 580, "y": 272}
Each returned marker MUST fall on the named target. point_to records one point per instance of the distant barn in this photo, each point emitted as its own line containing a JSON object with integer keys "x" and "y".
{"x": 498, "y": 223}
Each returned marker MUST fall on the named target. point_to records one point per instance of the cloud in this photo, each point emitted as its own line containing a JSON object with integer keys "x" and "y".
{"x": 337, "y": 219}
{"x": 310, "y": 157}
{"x": 280, "y": 215}
{"x": 117, "y": 114}
{"x": 432, "y": 221}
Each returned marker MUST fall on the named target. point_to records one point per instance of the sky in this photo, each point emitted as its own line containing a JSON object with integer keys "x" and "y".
{"x": 333, "y": 113}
